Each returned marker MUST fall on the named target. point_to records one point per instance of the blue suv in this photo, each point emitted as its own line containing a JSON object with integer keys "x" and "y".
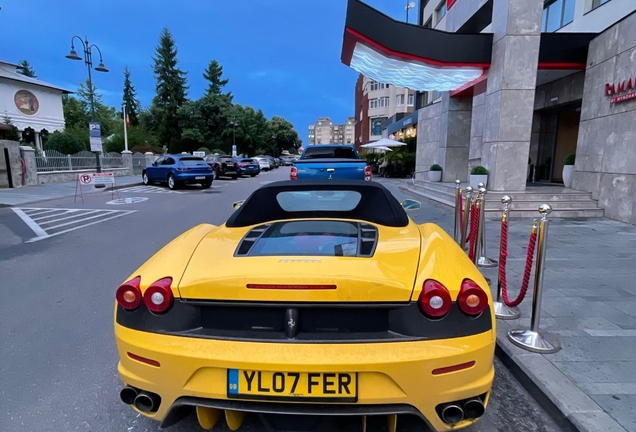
{"x": 177, "y": 170}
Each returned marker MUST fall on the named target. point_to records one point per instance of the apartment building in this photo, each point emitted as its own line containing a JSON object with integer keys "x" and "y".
{"x": 324, "y": 131}
{"x": 514, "y": 86}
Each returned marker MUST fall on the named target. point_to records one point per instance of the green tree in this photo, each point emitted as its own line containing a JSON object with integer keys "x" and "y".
{"x": 171, "y": 91}
{"x": 8, "y": 131}
{"x": 204, "y": 121}
{"x": 130, "y": 99}
{"x": 75, "y": 111}
{"x": 213, "y": 74}
{"x": 107, "y": 116}
{"x": 138, "y": 137}
{"x": 285, "y": 136}
{"x": 26, "y": 69}
{"x": 64, "y": 143}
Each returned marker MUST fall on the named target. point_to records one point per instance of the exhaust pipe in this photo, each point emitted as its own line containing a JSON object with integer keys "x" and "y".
{"x": 147, "y": 402}
{"x": 452, "y": 413}
{"x": 128, "y": 395}
{"x": 474, "y": 408}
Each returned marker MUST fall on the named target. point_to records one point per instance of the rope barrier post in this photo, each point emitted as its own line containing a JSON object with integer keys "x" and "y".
{"x": 458, "y": 211}
{"x": 483, "y": 260}
{"x": 476, "y": 227}
{"x": 502, "y": 310}
{"x": 467, "y": 203}
{"x": 532, "y": 339}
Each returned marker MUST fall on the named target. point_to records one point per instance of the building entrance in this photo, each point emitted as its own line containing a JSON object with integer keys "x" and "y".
{"x": 557, "y": 139}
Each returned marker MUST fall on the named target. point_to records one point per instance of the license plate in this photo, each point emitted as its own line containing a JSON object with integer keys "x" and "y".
{"x": 317, "y": 386}
{"x": 200, "y": 178}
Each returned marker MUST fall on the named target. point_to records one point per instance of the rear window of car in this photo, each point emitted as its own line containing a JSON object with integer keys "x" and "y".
{"x": 192, "y": 161}
{"x": 315, "y": 237}
{"x": 320, "y": 152}
{"x": 318, "y": 200}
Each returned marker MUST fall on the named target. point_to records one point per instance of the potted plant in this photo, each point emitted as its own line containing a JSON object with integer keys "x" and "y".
{"x": 568, "y": 170}
{"x": 478, "y": 174}
{"x": 435, "y": 173}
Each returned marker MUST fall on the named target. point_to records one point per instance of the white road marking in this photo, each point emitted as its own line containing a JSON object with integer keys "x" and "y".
{"x": 39, "y": 232}
{"x": 56, "y": 214}
{"x": 129, "y": 200}
{"x": 149, "y": 189}
{"x": 76, "y": 214}
{"x": 83, "y": 219}
{"x": 40, "y": 212}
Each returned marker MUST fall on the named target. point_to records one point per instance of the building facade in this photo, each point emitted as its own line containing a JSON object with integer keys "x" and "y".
{"x": 558, "y": 78}
{"x": 324, "y": 131}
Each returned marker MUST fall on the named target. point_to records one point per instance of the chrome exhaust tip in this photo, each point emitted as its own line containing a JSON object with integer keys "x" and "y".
{"x": 128, "y": 395}
{"x": 474, "y": 408}
{"x": 147, "y": 402}
{"x": 452, "y": 413}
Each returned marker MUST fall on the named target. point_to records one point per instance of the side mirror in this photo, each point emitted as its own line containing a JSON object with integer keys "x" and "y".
{"x": 237, "y": 204}
{"x": 410, "y": 204}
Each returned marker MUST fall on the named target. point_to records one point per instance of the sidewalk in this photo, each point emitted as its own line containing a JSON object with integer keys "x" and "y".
{"x": 589, "y": 304}
{"x": 44, "y": 192}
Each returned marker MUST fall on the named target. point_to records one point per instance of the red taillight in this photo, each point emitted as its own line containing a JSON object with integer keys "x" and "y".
{"x": 158, "y": 297}
{"x": 129, "y": 294}
{"x": 435, "y": 300}
{"x": 472, "y": 300}
{"x": 293, "y": 175}
{"x": 367, "y": 173}
{"x": 242, "y": 165}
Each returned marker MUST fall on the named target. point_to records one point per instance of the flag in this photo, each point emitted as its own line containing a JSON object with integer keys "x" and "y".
{"x": 127, "y": 120}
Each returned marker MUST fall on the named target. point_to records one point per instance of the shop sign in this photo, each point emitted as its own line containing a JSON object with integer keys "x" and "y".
{"x": 622, "y": 91}
{"x": 450, "y": 3}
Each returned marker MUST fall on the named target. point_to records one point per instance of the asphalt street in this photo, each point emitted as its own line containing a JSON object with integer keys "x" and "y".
{"x": 60, "y": 263}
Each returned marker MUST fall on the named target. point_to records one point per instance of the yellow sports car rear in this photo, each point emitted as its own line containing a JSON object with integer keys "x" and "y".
{"x": 313, "y": 298}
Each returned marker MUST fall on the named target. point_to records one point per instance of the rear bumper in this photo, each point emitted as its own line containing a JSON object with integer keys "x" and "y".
{"x": 248, "y": 171}
{"x": 392, "y": 377}
{"x": 186, "y": 177}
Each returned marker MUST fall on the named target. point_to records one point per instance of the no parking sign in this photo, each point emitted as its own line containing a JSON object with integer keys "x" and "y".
{"x": 88, "y": 179}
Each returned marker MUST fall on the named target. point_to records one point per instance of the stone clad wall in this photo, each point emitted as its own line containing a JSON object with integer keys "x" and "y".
{"x": 428, "y": 138}
{"x": 476, "y": 131}
{"x": 606, "y": 149}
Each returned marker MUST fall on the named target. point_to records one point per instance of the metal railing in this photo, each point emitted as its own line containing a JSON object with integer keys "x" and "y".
{"x": 139, "y": 162}
{"x": 53, "y": 160}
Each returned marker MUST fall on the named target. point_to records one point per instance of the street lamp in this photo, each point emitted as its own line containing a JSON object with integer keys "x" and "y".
{"x": 234, "y": 125}
{"x": 275, "y": 143}
{"x": 408, "y": 7}
{"x": 88, "y": 60}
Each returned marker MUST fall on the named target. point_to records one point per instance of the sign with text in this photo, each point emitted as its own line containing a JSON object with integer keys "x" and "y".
{"x": 622, "y": 91}
{"x": 95, "y": 134}
{"x": 96, "y": 178}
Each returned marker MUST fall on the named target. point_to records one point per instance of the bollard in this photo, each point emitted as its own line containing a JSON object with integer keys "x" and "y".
{"x": 467, "y": 203}
{"x": 502, "y": 310}
{"x": 479, "y": 201}
{"x": 531, "y": 339}
{"x": 458, "y": 211}
{"x": 483, "y": 260}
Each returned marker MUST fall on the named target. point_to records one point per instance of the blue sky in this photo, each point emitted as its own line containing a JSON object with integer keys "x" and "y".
{"x": 280, "y": 55}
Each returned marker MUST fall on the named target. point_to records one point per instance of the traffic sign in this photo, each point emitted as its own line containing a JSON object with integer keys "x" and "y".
{"x": 97, "y": 178}
{"x": 95, "y": 134}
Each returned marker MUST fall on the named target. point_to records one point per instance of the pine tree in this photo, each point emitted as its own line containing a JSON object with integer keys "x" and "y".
{"x": 213, "y": 74}
{"x": 171, "y": 91}
{"x": 25, "y": 69}
{"x": 130, "y": 99}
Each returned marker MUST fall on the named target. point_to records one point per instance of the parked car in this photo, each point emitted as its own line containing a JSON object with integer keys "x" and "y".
{"x": 287, "y": 160}
{"x": 248, "y": 167}
{"x": 330, "y": 161}
{"x": 177, "y": 170}
{"x": 272, "y": 161}
{"x": 223, "y": 165}
{"x": 263, "y": 163}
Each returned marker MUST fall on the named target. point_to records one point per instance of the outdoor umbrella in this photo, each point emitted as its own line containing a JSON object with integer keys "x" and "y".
{"x": 384, "y": 142}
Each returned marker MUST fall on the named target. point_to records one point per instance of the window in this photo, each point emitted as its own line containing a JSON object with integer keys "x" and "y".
{"x": 558, "y": 14}
{"x": 400, "y": 100}
{"x": 374, "y": 103}
{"x": 422, "y": 99}
{"x": 429, "y": 23}
{"x": 440, "y": 12}
{"x": 597, "y": 3}
{"x": 319, "y": 123}
{"x": 330, "y": 153}
{"x": 437, "y": 95}
{"x": 384, "y": 101}
{"x": 411, "y": 99}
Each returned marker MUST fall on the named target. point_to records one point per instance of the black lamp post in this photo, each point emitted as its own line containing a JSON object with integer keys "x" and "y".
{"x": 234, "y": 125}
{"x": 88, "y": 60}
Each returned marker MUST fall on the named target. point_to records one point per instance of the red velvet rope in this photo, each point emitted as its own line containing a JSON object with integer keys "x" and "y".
{"x": 474, "y": 223}
{"x": 502, "y": 266}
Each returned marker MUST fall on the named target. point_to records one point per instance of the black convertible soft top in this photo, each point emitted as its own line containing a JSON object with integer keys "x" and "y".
{"x": 376, "y": 205}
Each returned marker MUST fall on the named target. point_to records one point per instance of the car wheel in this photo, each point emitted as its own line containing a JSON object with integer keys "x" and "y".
{"x": 206, "y": 184}
{"x": 172, "y": 183}
{"x": 234, "y": 177}
{"x": 144, "y": 178}
{"x": 252, "y": 175}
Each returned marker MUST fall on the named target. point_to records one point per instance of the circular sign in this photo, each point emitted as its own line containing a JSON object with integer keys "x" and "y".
{"x": 131, "y": 200}
{"x": 26, "y": 102}
{"x": 86, "y": 179}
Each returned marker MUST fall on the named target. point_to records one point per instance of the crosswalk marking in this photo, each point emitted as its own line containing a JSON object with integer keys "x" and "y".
{"x": 149, "y": 189}
{"x": 49, "y": 222}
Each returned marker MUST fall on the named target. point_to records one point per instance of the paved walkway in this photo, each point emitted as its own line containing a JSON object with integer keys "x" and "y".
{"x": 589, "y": 304}
{"x": 44, "y": 192}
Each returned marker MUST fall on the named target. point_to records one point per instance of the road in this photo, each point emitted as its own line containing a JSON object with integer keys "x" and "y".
{"x": 60, "y": 263}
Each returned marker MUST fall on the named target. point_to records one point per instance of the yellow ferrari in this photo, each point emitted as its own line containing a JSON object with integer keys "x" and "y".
{"x": 317, "y": 298}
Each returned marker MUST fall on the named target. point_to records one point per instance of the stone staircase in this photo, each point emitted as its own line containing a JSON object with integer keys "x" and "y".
{"x": 566, "y": 203}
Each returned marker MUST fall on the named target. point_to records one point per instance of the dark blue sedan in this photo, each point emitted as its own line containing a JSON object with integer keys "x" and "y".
{"x": 177, "y": 170}
{"x": 248, "y": 167}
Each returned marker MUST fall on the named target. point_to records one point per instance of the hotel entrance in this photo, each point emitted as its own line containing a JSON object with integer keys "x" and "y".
{"x": 557, "y": 138}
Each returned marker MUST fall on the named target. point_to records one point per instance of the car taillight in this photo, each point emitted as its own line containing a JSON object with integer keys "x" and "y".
{"x": 472, "y": 300}
{"x": 435, "y": 300}
{"x": 367, "y": 173}
{"x": 293, "y": 175}
{"x": 183, "y": 169}
{"x": 158, "y": 297}
{"x": 129, "y": 294}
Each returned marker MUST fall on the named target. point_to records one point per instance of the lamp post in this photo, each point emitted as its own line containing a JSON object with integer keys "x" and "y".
{"x": 234, "y": 125}
{"x": 409, "y": 6}
{"x": 275, "y": 143}
{"x": 88, "y": 60}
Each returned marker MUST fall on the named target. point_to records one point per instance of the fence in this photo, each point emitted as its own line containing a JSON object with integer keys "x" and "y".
{"x": 139, "y": 162}
{"x": 53, "y": 160}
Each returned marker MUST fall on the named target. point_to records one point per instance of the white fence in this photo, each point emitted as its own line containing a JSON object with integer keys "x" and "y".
{"x": 52, "y": 160}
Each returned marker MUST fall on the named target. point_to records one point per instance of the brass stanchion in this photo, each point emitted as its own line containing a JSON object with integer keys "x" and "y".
{"x": 458, "y": 210}
{"x": 483, "y": 260}
{"x": 467, "y": 204}
{"x": 531, "y": 339}
{"x": 479, "y": 203}
{"x": 502, "y": 310}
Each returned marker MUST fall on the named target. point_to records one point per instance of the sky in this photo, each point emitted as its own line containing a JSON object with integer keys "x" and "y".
{"x": 282, "y": 56}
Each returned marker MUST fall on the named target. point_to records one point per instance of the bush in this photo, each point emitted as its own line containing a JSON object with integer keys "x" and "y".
{"x": 145, "y": 148}
{"x": 435, "y": 167}
{"x": 217, "y": 151}
{"x": 569, "y": 159}
{"x": 65, "y": 143}
{"x": 204, "y": 150}
{"x": 479, "y": 170}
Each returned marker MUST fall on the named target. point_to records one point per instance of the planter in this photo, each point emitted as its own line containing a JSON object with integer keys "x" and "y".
{"x": 476, "y": 179}
{"x": 434, "y": 176}
{"x": 568, "y": 171}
